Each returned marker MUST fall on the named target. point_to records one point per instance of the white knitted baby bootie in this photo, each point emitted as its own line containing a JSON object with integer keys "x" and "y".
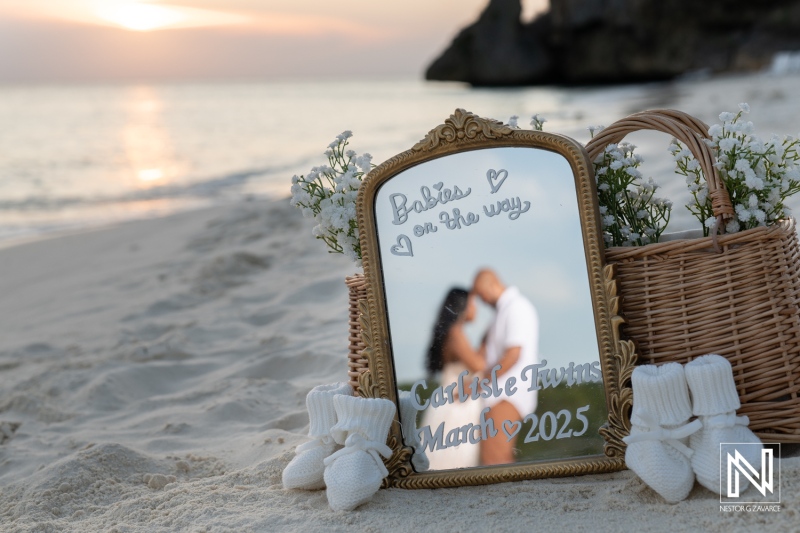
{"x": 715, "y": 401}
{"x": 354, "y": 473}
{"x": 408, "y": 421}
{"x": 306, "y": 470}
{"x": 657, "y": 449}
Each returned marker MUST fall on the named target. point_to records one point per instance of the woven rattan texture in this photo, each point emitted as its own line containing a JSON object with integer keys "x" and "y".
{"x": 356, "y": 362}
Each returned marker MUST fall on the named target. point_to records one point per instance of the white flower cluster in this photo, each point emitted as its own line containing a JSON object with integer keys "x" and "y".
{"x": 759, "y": 175}
{"x": 631, "y": 214}
{"x": 328, "y": 195}
{"x": 537, "y": 122}
{"x": 595, "y": 129}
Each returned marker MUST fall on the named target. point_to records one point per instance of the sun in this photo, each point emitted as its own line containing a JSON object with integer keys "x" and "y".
{"x": 141, "y": 17}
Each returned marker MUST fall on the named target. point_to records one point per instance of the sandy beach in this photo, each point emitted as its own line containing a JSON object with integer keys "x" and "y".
{"x": 153, "y": 378}
{"x": 164, "y": 312}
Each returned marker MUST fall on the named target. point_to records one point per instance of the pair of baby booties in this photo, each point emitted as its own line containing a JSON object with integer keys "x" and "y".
{"x": 665, "y": 449}
{"x": 348, "y": 437}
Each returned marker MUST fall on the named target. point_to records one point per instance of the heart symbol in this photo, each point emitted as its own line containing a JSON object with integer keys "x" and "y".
{"x": 496, "y": 176}
{"x": 403, "y": 247}
{"x": 439, "y": 186}
{"x": 511, "y": 428}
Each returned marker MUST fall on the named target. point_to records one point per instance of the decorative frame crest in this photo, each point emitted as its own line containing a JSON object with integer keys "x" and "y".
{"x": 464, "y": 131}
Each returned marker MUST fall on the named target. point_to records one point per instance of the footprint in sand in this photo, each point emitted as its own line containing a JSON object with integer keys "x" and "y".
{"x": 158, "y": 481}
{"x": 7, "y": 430}
{"x": 229, "y": 271}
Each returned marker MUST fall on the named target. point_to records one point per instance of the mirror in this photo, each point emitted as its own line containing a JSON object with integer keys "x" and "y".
{"x": 490, "y": 306}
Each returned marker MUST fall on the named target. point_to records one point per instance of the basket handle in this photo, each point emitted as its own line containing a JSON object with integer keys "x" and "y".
{"x": 688, "y": 130}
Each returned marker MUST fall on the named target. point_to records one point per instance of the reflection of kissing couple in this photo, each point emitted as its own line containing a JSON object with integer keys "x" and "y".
{"x": 511, "y": 342}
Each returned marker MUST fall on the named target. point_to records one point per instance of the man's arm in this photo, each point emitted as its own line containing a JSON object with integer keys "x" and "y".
{"x": 509, "y": 359}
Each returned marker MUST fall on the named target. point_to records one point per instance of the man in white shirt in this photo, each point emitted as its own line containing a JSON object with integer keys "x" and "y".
{"x": 511, "y": 342}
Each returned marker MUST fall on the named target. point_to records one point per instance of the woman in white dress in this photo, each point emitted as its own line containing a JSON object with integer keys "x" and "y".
{"x": 451, "y": 353}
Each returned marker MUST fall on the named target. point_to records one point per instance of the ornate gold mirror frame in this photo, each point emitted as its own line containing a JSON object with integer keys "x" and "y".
{"x": 464, "y": 132}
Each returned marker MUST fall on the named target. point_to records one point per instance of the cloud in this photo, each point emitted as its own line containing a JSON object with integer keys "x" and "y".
{"x": 280, "y": 39}
{"x": 58, "y": 51}
{"x": 145, "y": 17}
{"x": 297, "y": 19}
{"x": 310, "y": 25}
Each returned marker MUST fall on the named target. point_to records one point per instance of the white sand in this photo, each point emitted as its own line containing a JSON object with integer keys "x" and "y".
{"x": 153, "y": 378}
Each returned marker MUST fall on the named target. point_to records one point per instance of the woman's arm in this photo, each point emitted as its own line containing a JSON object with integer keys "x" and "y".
{"x": 459, "y": 347}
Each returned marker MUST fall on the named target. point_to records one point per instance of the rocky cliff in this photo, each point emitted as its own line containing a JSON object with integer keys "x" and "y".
{"x": 618, "y": 41}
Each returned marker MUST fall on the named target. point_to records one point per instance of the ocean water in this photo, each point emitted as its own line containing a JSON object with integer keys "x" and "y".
{"x": 78, "y": 156}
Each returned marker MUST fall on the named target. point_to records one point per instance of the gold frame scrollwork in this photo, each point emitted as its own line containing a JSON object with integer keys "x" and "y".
{"x": 464, "y": 131}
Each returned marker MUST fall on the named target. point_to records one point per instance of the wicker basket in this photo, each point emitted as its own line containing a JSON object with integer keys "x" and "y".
{"x": 736, "y": 295}
{"x": 356, "y": 362}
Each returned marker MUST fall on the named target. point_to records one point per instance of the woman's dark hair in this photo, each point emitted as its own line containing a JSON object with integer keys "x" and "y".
{"x": 453, "y": 306}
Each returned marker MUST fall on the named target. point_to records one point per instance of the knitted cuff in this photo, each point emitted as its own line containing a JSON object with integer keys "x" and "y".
{"x": 321, "y": 412}
{"x": 368, "y": 417}
{"x": 710, "y": 379}
{"x": 408, "y": 418}
{"x": 661, "y": 392}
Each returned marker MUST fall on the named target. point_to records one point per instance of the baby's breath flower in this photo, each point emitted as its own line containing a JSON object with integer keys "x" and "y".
{"x": 742, "y": 213}
{"x": 537, "y": 122}
{"x": 759, "y": 175}
{"x": 633, "y": 172}
{"x": 595, "y": 129}
{"x": 363, "y": 162}
{"x": 631, "y": 215}
{"x": 715, "y": 132}
{"x": 328, "y": 195}
{"x": 742, "y": 165}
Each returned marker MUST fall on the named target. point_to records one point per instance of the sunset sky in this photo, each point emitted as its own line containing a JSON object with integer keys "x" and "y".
{"x": 88, "y": 40}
